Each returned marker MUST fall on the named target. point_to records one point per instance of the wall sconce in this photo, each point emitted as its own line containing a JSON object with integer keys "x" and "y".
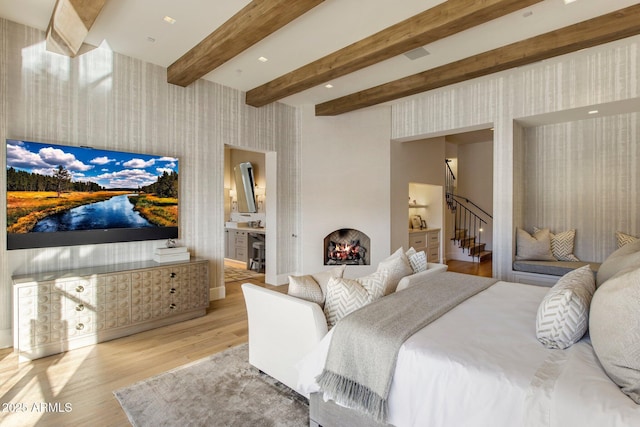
{"x": 260, "y": 193}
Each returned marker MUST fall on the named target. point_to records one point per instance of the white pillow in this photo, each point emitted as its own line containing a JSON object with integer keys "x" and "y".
{"x": 418, "y": 262}
{"x": 563, "y": 315}
{"x": 347, "y": 295}
{"x": 614, "y": 328}
{"x": 323, "y": 277}
{"x": 397, "y": 266}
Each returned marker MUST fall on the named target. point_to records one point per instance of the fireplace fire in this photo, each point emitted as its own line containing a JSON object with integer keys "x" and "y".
{"x": 346, "y": 246}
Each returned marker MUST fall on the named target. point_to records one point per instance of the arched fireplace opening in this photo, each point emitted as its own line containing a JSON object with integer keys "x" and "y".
{"x": 347, "y": 246}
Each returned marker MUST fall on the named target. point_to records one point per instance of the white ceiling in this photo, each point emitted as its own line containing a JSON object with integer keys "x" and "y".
{"x": 128, "y": 26}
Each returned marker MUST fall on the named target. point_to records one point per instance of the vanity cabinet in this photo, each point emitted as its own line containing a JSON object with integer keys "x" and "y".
{"x": 58, "y": 311}
{"x": 237, "y": 245}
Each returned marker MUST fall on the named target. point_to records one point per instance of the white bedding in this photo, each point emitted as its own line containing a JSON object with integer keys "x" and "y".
{"x": 481, "y": 365}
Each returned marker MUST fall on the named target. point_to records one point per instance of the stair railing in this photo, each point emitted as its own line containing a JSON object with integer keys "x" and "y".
{"x": 469, "y": 220}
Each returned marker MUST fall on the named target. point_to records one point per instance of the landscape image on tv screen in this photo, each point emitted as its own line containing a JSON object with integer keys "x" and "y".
{"x": 62, "y": 195}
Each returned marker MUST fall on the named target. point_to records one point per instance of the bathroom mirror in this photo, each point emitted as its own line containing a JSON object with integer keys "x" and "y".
{"x": 245, "y": 187}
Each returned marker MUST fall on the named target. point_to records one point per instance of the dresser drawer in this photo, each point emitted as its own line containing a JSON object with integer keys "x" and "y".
{"x": 433, "y": 238}
{"x": 417, "y": 240}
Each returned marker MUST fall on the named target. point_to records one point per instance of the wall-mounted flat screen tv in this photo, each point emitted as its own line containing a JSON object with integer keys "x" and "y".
{"x": 61, "y": 195}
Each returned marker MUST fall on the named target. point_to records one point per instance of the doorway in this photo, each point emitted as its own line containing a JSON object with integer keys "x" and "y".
{"x": 243, "y": 228}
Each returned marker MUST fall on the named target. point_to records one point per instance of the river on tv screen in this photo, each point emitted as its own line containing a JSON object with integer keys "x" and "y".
{"x": 53, "y": 188}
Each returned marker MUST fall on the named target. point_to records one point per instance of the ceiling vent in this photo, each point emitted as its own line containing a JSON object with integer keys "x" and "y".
{"x": 417, "y": 53}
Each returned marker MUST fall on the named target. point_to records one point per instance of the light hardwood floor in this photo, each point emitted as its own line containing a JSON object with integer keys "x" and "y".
{"x": 86, "y": 378}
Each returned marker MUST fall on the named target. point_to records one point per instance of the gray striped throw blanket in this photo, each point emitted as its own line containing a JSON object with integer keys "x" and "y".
{"x": 365, "y": 344}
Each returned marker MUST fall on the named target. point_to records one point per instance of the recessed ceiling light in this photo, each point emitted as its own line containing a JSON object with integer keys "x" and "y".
{"x": 169, "y": 20}
{"x": 262, "y": 59}
{"x": 328, "y": 85}
{"x": 593, "y": 112}
{"x": 569, "y": 1}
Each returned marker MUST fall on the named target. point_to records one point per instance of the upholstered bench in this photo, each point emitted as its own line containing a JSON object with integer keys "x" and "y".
{"x": 546, "y": 273}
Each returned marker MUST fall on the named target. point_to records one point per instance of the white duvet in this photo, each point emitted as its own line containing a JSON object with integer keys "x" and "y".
{"x": 481, "y": 365}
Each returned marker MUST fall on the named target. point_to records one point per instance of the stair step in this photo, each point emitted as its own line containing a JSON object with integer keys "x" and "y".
{"x": 460, "y": 234}
{"x": 485, "y": 256}
{"x": 476, "y": 249}
{"x": 467, "y": 242}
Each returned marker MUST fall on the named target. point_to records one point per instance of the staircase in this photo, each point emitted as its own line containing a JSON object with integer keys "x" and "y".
{"x": 468, "y": 221}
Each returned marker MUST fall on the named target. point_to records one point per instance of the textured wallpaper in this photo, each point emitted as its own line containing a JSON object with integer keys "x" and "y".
{"x": 584, "y": 175}
{"x": 110, "y": 101}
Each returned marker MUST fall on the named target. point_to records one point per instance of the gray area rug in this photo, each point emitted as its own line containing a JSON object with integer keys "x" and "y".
{"x": 219, "y": 390}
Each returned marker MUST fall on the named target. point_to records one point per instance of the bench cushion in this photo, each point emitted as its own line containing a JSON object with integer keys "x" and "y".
{"x": 552, "y": 268}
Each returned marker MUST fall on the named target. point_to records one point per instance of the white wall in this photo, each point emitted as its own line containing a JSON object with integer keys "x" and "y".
{"x": 606, "y": 75}
{"x": 110, "y": 101}
{"x": 345, "y": 183}
{"x": 415, "y": 161}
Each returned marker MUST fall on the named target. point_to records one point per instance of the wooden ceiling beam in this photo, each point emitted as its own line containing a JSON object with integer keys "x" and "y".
{"x": 70, "y": 23}
{"x": 441, "y": 21}
{"x": 603, "y": 29}
{"x": 254, "y": 22}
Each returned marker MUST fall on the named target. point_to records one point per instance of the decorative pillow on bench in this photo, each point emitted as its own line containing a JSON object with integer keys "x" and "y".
{"x": 562, "y": 245}
{"x": 536, "y": 247}
{"x": 623, "y": 239}
{"x": 313, "y": 287}
{"x": 347, "y": 295}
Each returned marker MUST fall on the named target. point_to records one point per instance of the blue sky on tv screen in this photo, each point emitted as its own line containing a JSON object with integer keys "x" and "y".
{"x": 110, "y": 169}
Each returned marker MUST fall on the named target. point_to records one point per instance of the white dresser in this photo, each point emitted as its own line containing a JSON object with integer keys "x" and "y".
{"x": 427, "y": 240}
{"x": 58, "y": 311}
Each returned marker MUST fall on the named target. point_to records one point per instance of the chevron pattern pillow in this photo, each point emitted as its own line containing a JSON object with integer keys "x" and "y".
{"x": 347, "y": 295}
{"x": 562, "y": 244}
{"x": 623, "y": 239}
{"x": 418, "y": 262}
{"x": 563, "y": 315}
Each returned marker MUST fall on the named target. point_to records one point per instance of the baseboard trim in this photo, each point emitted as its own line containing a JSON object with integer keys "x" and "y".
{"x": 6, "y": 338}
{"x": 217, "y": 293}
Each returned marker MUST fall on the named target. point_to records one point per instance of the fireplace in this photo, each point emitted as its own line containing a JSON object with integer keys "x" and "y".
{"x": 346, "y": 246}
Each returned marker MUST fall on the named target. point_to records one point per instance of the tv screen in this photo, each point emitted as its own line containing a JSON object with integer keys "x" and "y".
{"x": 61, "y": 196}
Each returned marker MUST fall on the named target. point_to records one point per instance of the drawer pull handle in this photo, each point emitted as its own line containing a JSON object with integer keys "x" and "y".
{"x": 172, "y": 306}
{"x": 172, "y": 275}
{"x": 172, "y": 290}
{"x": 80, "y": 326}
{"x": 79, "y": 307}
{"x": 79, "y": 288}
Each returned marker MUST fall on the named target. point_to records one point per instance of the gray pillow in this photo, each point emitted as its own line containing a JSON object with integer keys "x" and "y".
{"x": 625, "y": 257}
{"x": 536, "y": 247}
{"x": 614, "y": 327}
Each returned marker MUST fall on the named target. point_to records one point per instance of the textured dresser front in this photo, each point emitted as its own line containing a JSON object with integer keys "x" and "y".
{"x": 58, "y": 311}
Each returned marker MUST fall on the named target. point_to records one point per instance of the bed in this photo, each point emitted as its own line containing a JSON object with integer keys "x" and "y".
{"x": 480, "y": 364}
